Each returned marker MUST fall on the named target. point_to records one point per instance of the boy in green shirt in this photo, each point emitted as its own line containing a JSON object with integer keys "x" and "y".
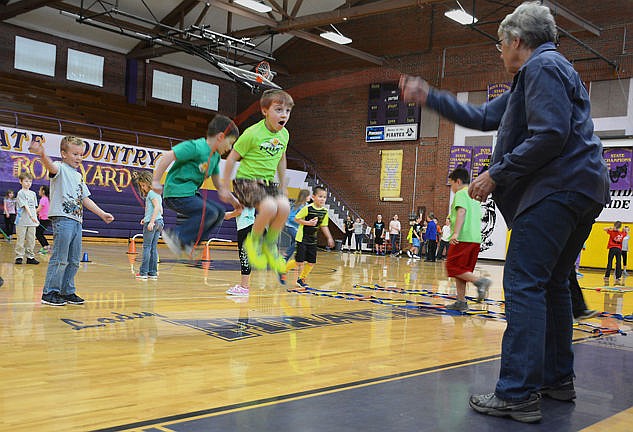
{"x": 465, "y": 240}
{"x": 261, "y": 151}
{"x": 193, "y": 162}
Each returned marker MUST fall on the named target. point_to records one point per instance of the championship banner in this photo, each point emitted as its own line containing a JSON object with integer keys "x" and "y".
{"x": 390, "y": 174}
{"x": 460, "y": 156}
{"x": 497, "y": 89}
{"x": 619, "y": 163}
{"x": 481, "y": 160}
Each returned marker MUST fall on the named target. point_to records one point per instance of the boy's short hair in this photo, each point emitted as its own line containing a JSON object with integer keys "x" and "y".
{"x": 460, "y": 173}
{"x": 222, "y": 124}
{"x": 276, "y": 95}
{"x": 318, "y": 188}
{"x": 616, "y": 225}
{"x": 25, "y": 175}
{"x": 70, "y": 140}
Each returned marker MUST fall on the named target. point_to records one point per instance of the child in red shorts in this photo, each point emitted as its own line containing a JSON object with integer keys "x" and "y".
{"x": 465, "y": 240}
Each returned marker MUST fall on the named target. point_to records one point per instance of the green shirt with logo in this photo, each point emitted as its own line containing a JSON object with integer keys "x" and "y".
{"x": 471, "y": 230}
{"x": 261, "y": 151}
{"x": 191, "y": 167}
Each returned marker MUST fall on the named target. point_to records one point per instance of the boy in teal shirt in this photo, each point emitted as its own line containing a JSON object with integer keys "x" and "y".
{"x": 193, "y": 162}
{"x": 465, "y": 240}
{"x": 261, "y": 151}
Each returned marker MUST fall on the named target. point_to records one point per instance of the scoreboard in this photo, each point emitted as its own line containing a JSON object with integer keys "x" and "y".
{"x": 389, "y": 118}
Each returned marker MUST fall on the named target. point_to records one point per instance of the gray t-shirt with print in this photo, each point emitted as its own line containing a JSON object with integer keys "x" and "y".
{"x": 68, "y": 190}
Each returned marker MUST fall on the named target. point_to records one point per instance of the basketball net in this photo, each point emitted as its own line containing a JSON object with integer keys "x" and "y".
{"x": 263, "y": 71}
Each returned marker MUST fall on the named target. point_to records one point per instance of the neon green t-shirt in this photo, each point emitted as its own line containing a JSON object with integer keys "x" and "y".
{"x": 261, "y": 151}
{"x": 471, "y": 230}
{"x": 308, "y": 234}
{"x": 187, "y": 173}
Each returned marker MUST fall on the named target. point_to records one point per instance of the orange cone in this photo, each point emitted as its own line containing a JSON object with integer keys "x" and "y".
{"x": 131, "y": 246}
{"x": 206, "y": 253}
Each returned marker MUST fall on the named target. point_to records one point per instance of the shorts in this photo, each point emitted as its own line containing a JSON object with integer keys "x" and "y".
{"x": 306, "y": 253}
{"x": 416, "y": 242}
{"x": 380, "y": 240}
{"x": 250, "y": 192}
{"x": 461, "y": 258}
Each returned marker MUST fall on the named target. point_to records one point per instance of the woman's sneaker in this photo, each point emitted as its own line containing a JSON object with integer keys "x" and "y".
{"x": 238, "y": 290}
{"x": 53, "y": 299}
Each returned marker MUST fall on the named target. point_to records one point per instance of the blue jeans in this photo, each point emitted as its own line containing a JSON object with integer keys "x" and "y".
{"x": 545, "y": 241}
{"x": 292, "y": 232}
{"x": 149, "y": 265}
{"x": 189, "y": 228}
{"x": 65, "y": 258}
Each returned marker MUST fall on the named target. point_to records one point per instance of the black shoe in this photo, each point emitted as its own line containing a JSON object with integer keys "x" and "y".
{"x": 563, "y": 392}
{"x": 526, "y": 411}
{"x": 32, "y": 261}
{"x": 586, "y": 314}
{"x": 53, "y": 298}
{"x": 1, "y": 281}
{"x": 18, "y": 260}
{"x": 73, "y": 299}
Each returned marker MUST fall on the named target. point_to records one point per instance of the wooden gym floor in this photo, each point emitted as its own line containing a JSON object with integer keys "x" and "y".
{"x": 178, "y": 354}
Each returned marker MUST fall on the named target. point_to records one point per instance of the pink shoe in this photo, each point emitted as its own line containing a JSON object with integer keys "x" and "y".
{"x": 237, "y": 290}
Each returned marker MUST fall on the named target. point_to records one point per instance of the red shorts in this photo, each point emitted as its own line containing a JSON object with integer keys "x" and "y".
{"x": 461, "y": 258}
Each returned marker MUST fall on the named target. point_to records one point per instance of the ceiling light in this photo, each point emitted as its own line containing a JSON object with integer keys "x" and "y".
{"x": 336, "y": 36}
{"x": 254, "y": 5}
{"x": 461, "y": 16}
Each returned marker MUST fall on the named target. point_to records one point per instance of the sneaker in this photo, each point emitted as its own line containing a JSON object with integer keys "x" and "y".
{"x": 458, "y": 305}
{"x": 276, "y": 262}
{"x": 53, "y": 298}
{"x": 152, "y": 277}
{"x": 43, "y": 251}
{"x": 140, "y": 276}
{"x": 18, "y": 260}
{"x": 606, "y": 281}
{"x": 237, "y": 290}
{"x": 409, "y": 254}
{"x": 1, "y": 281}
{"x": 416, "y": 257}
{"x": 526, "y": 411}
{"x": 586, "y": 314}
{"x": 254, "y": 252}
{"x": 72, "y": 299}
{"x": 32, "y": 261}
{"x": 282, "y": 278}
{"x": 618, "y": 281}
{"x": 482, "y": 285}
{"x": 302, "y": 283}
{"x": 563, "y": 392}
{"x": 173, "y": 242}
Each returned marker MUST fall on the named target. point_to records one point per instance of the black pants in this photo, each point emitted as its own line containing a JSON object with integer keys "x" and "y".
{"x": 431, "y": 247}
{"x": 578, "y": 305}
{"x": 442, "y": 251}
{"x": 348, "y": 239}
{"x": 9, "y": 224}
{"x": 44, "y": 226}
{"x": 245, "y": 266}
{"x": 616, "y": 253}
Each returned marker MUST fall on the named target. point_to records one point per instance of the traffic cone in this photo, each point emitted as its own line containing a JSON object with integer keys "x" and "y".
{"x": 131, "y": 246}
{"x": 206, "y": 254}
{"x": 85, "y": 257}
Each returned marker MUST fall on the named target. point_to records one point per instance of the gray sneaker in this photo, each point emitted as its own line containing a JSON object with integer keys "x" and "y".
{"x": 526, "y": 411}
{"x": 482, "y": 285}
{"x": 458, "y": 305}
{"x": 564, "y": 391}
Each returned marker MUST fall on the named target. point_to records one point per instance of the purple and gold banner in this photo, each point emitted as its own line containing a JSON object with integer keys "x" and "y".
{"x": 460, "y": 156}
{"x": 619, "y": 165}
{"x": 497, "y": 89}
{"x": 481, "y": 160}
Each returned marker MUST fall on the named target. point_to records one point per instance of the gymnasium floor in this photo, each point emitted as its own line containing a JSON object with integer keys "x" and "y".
{"x": 366, "y": 349}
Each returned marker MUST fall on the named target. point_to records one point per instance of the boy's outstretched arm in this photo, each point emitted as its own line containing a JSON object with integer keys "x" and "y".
{"x": 328, "y": 236}
{"x": 38, "y": 148}
{"x": 165, "y": 160}
{"x": 281, "y": 174}
{"x": 93, "y": 207}
{"x": 223, "y": 186}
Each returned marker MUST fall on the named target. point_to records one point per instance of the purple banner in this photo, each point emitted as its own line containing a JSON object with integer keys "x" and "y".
{"x": 460, "y": 156}
{"x": 619, "y": 164}
{"x": 497, "y": 89}
{"x": 481, "y": 160}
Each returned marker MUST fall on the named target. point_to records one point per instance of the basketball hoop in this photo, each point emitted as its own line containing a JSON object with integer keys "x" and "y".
{"x": 263, "y": 71}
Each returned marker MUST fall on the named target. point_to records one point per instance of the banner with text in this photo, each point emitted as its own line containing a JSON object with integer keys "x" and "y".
{"x": 481, "y": 160}
{"x": 390, "y": 173}
{"x": 460, "y": 156}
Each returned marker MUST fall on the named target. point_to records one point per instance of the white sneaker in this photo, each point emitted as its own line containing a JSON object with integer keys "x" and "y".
{"x": 237, "y": 290}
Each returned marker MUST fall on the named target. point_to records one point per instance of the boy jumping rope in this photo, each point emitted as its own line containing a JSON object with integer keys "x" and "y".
{"x": 310, "y": 218}
{"x": 465, "y": 240}
{"x": 261, "y": 151}
{"x": 193, "y": 162}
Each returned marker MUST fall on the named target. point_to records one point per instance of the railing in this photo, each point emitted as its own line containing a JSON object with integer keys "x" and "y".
{"x": 99, "y": 128}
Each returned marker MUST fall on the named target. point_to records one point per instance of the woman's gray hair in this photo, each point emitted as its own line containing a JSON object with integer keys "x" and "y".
{"x": 531, "y": 22}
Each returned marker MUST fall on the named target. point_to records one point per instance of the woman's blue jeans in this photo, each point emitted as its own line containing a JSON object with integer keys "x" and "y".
{"x": 149, "y": 265}
{"x": 544, "y": 243}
